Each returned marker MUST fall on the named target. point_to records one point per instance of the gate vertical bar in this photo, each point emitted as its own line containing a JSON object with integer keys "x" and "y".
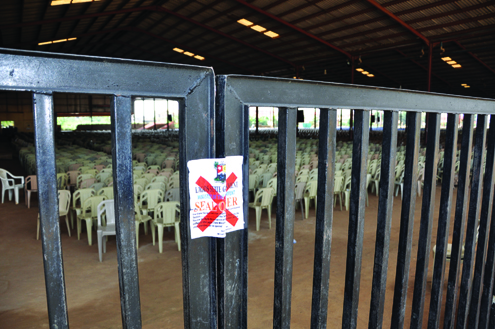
{"x": 487, "y": 295}
{"x": 459, "y": 221}
{"x": 284, "y": 234}
{"x": 233, "y": 139}
{"x": 324, "y": 217}
{"x": 413, "y": 123}
{"x": 491, "y": 323}
{"x": 472, "y": 223}
{"x": 484, "y": 224}
{"x": 49, "y": 215}
{"x": 197, "y": 141}
{"x": 425, "y": 226}
{"x": 356, "y": 218}
{"x": 124, "y": 211}
{"x": 446, "y": 199}
{"x": 384, "y": 220}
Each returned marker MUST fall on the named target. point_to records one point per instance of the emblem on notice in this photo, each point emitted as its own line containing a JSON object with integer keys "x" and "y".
{"x": 221, "y": 172}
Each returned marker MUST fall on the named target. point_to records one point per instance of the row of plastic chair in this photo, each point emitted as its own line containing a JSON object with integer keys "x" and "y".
{"x": 97, "y": 210}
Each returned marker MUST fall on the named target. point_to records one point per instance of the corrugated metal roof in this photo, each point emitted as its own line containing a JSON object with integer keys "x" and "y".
{"x": 310, "y": 36}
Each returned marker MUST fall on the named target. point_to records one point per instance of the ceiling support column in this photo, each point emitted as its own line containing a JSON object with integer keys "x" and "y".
{"x": 351, "y": 121}
{"x": 430, "y": 64}
{"x": 257, "y": 121}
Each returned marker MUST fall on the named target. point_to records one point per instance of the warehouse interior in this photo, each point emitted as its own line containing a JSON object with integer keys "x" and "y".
{"x": 439, "y": 46}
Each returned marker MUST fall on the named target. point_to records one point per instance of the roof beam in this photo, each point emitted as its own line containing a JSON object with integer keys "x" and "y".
{"x": 294, "y": 27}
{"x": 71, "y": 18}
{"x": 207, "y": 55}
{"x": 429, "y": 28}
{"x": 137, "y": 23}
{"x": 339, "y": 18}
{"x": 466, "y": 34}
{"x": 76, "y": 36}
{"x": 450, "y": 13}
{"x": 319, "y": 13}
{"x": 65, "y": 9}
{"x": 398, "y": 20}
{"x": 21, "y": 16}
{"x": 175, "y": 26}
{"x": 382, "y": 28}
{"x": 475, "y": 57}
{"x": 385, "y": 28}
{"x": 103, "y": 7}
{"x": 383, "y": 74}
{"x": 123, "y": 18}
{"x": 425, "y": 68}
{"x": 225, "y": 35}
{"x": 38, "y": 32}
{"x": 404, "y": 12}
{"x": 459, "y": 22}
{"x": 138, "y": 30}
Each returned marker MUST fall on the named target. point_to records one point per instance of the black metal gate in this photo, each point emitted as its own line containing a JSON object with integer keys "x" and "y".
{"x": 216, "y": 124}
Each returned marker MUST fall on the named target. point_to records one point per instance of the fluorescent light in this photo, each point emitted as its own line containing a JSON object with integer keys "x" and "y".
{"x": 245, "y": 22}
{"x": 55, "y": 41}
{"x": 371, "y": 75}
{"x": 68, "y": 2}
{"x": 467, "y": 86}
{"x": 188, "y": 53}
{"x": 258, "y": 28}
{"x": 271, "y": 34}
{"x": 450, "y": 61}
{"x": 365, "y": 72}
{"x": 60, "y": 2}
{"x": 463, "y": 84}
{"x": 359, "y": 69}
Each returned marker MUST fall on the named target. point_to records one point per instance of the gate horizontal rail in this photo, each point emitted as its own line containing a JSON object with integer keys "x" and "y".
{"x": 215, "y": 123}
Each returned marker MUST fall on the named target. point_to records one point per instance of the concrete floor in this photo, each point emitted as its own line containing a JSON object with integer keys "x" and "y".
{"x": 93, "y": 289}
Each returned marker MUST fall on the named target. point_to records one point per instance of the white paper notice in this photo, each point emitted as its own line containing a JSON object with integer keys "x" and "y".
{"x": 215, "y": 189}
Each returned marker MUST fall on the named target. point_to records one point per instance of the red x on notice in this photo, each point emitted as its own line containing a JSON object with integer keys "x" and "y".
{"x": 220, "y": 202}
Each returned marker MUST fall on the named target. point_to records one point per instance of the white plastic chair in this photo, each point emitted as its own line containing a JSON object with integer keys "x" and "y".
{"x": 166, "y": 215}
{"x": 299, "y": 190}
{"x": 309, "y": 194}
{"x": 106, "y": 191}
{"x": 97, "y": 186}
{"x": 31, "y": 185}
{"x": 89, "y": 214}
{"x": 9, "y": 184}
{"x": 138, "y": 219}
{"x": 263, "y": 200}
{"x": 172, "y": 195}
{"x": 150, "y": 199}
{"x": 337, "y": 190}
{"x": 63, "y": 210}
{"x": 105, "y": 207}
